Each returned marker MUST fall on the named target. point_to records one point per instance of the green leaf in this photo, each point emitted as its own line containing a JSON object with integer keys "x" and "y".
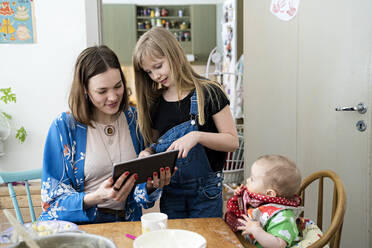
{"x": 7, "y": 96}
{"x": 8, "y": 116}
{"x": 21, "y": 134}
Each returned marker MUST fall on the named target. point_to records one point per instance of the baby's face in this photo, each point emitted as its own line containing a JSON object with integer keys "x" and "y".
{"x": 255, "y": 182}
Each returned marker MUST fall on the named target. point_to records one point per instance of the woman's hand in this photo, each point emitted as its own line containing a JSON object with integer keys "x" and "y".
{"x": 110, "y": 190}
{"x": 185, "y": 144}
{"x": 159, "y": 182}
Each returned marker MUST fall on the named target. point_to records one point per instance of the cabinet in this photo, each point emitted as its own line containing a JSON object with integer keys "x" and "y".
{"x": 194, "y": 26}
{"x": 118, "y": 30}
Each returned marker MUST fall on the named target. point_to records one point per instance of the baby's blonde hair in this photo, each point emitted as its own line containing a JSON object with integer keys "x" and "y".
{"x": 281, "y": 174}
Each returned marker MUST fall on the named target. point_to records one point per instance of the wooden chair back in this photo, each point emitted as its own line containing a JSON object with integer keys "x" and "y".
{"x": 20, "y": 176}
{"x": 333, "y": 234}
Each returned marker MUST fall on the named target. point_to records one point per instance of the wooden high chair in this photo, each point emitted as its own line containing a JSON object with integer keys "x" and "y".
{"x": 332, "y": 235}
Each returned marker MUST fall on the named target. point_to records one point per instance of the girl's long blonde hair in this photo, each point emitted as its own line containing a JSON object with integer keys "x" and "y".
{"x": 159, "y": 43}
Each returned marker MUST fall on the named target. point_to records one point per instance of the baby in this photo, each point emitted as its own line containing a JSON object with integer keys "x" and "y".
{"x": 266, "y": 208}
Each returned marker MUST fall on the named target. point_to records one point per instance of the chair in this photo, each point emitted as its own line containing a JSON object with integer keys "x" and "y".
{"x": 333, "y": 234}
{"x": 24, "y": 176}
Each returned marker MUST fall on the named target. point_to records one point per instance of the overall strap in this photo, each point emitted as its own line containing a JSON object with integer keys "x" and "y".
{"x": 194, "y": 105}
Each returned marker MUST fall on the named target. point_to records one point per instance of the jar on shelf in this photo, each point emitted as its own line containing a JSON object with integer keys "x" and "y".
{"x": 157, "y": 12}
{"x": 153, "y": 23}
{"x": 139, "y": 25}
{"x": 147, "y": 25}
{"x": 164, "y": 12}
{"x": 158, "y": 23}
{"x": 180, "y": 13}
{"x": 166, "y": 25}
{"x": 187, "y": 36}
{"x": 172, "y": 24}
{"x": 183, "y": 26}
{"x": 152, "y": 13}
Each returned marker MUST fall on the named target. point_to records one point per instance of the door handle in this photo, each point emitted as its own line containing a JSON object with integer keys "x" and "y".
{"x": 361, "y": 108}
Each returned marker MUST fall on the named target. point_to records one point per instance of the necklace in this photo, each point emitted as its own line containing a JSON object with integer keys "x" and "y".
{"x": 109, "y": 131}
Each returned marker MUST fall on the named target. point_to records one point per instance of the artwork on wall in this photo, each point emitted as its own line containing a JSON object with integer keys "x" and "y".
{"x": 17, "y": 22}
{"x": 284, "y": 9}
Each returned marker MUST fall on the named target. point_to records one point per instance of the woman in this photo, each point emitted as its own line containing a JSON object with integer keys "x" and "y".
{"x": 82, "y": 146}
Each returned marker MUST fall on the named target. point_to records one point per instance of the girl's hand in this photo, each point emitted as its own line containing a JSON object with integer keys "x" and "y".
{"x": 147, "y": 152}
{"x": 185, "y": 144}
{"x": 249, "y": 226}
{"x": 159, "y": 182}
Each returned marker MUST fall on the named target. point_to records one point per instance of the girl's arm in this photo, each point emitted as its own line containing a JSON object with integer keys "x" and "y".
{"x": 225, "y": 140}
{"x": 265, "y": 239}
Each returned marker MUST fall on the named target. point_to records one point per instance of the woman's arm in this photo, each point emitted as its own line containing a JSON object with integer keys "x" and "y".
{"x": 59, "y": 195}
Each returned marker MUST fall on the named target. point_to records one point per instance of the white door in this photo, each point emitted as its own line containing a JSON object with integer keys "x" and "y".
{"x": 296, "y": 74}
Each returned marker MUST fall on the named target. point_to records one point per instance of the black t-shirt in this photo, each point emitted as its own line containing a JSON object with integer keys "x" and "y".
{"x": 170, "y": 114}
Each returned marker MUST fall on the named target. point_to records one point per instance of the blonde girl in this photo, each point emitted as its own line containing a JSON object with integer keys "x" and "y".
{"x": 179, "y": 109}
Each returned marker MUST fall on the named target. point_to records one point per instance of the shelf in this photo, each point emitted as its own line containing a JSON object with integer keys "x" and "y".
{"x": 163, "y": 17}
{"x": 171, "y": 30}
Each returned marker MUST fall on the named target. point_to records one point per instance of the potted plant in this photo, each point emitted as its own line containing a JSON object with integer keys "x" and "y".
{"x": 7, "y": 96}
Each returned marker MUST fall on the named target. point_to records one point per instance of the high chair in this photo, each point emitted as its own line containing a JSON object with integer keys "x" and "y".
{"x": 332, "y": 235}
{"x": 20, "y": 176}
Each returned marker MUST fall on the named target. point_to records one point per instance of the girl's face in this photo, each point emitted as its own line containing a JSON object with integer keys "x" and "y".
{"x": 106, "y": 91}
{"x": 158, "y": 70}
{"x": 255, "y": 182}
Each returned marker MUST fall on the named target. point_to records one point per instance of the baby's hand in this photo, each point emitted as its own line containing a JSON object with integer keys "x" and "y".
{"x": 248, "y": 225}
{"x": 239, "y": 190}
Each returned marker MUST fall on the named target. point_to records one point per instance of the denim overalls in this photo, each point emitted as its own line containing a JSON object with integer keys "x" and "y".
{"x": 195, "y": 190}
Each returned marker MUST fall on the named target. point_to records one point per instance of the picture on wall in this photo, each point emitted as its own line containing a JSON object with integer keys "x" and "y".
{"x": 17, "y": 22}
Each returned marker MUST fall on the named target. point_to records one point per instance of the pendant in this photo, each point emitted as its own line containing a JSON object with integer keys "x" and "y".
{"x": 109, "y": 130}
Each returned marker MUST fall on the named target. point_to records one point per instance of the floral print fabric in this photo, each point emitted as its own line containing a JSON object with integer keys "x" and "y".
{"x": 63, "y": 173}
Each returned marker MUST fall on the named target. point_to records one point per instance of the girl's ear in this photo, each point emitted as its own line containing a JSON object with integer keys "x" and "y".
{"x": 271, "y": 192}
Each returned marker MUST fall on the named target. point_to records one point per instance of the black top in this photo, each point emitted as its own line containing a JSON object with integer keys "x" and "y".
{"x": 170, "y": 114}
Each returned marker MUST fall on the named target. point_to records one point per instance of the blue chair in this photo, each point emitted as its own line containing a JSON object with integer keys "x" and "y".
{"x": 24, "y": 176}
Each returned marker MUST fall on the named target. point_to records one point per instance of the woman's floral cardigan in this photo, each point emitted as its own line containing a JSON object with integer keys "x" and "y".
{"x": 63, "y": 173}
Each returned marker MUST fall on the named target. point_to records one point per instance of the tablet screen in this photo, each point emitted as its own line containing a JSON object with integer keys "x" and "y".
{"x": 145, "y": 167}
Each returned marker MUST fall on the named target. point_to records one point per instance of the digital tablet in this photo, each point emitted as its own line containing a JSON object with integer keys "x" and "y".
{"x": 145, "y": 167}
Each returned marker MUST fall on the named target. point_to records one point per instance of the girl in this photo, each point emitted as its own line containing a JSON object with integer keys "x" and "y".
{"x": 178, "y": 109}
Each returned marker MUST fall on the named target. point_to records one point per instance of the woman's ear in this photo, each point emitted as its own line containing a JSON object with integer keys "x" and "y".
{"x": 271, "y": 192}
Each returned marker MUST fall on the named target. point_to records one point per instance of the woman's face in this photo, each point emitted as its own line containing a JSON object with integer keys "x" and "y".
{"x": 106, "y": 91}
{"x": 158, "y": 70}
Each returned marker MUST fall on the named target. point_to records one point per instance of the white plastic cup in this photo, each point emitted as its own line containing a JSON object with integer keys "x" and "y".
{"x": 153, "y": 222}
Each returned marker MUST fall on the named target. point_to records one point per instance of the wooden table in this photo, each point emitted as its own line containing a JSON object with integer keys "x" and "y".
{"x": 214, "y": 230}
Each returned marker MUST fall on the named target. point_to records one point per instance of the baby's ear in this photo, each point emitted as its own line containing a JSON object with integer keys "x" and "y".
{"x": 271, "y": 192}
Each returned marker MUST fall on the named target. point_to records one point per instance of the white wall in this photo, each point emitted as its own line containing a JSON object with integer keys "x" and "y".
{"x": 40, "y": 74}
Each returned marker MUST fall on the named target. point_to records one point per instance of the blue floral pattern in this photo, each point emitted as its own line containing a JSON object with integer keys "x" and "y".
{"x": 63, "y": 173}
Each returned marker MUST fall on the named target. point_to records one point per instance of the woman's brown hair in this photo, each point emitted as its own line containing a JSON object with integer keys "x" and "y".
{"x": 91, "y": 62}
